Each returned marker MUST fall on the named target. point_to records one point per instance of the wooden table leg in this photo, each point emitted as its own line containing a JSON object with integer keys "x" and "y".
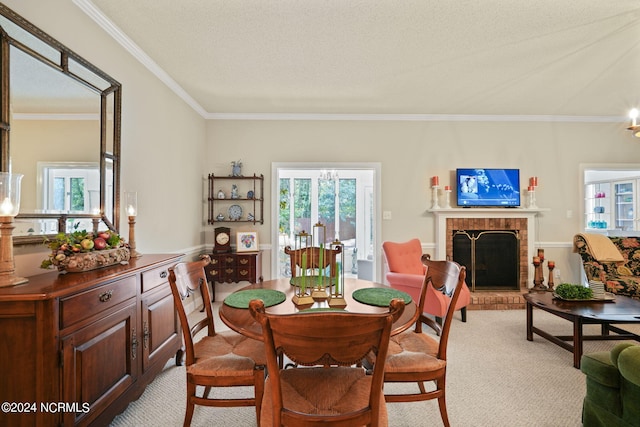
{"x": 577, "y": 341}
{"x": 529, "y": 321}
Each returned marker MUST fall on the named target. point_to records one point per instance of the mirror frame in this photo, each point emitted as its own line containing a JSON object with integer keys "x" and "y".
{"x": 114, "y": 90}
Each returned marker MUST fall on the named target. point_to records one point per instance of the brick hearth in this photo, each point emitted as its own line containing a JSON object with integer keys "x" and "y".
{"x": 505, "y": 300}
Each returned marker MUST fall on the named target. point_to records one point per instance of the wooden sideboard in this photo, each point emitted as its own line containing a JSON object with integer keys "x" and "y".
{"x": 234, "y": 267}
{"x": 86, "y": 343}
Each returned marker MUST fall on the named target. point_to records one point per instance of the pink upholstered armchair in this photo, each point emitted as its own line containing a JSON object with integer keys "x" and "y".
{"x": 406, "y": 273}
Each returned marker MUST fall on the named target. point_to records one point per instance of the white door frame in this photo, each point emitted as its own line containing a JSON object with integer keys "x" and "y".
{"x": 376, "y": 168}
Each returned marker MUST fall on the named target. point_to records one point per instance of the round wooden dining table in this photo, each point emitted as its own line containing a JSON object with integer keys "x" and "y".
{"x": 241, "y": 321}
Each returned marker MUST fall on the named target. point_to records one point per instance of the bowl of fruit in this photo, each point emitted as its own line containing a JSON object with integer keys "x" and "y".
{"x": 83, "y": 251}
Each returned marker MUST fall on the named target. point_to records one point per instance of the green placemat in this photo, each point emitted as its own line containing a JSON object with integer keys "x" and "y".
{"x": 241, "y": 299}
{"x": 380, "y": 297}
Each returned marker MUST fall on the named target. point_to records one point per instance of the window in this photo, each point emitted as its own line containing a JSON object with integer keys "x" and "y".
{"x": 70, "y": 187}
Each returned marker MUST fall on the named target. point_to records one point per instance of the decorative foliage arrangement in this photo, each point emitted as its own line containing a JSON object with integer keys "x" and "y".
{"x": 81, "y": 250}
{"x": 571, "y": 291}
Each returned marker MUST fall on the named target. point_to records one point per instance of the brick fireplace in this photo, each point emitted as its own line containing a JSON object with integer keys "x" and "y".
{"x": 520, "y": 221}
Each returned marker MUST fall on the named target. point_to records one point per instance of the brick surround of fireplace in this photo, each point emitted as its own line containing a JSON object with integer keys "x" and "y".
{"x": 522, "y": 220}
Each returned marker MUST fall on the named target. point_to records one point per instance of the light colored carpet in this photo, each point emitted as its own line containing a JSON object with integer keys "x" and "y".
{"x": 495, "y": 378}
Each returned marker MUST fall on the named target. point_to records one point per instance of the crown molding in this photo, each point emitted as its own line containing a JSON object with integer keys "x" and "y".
{"x": 417, "y": 117}
{"x": 105, "y": 23}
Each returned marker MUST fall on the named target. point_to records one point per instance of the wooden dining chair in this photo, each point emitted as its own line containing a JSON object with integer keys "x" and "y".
{"x": 218, "y": 359}
{"x": 331, "y": 388}
{"x": 312, "y": 254}
{"x": 417, "y": 357}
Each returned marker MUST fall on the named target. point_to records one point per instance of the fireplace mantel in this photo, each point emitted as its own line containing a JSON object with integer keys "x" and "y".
{"x": 441, "y": 216}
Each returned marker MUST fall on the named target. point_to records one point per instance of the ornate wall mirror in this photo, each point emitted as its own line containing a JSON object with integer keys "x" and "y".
{"x": 60, "y": 127}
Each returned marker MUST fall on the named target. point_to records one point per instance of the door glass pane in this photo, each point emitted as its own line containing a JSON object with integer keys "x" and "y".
{"x": 347, "y": 210}
{"x": 58, "y": 194}
{"x": 327, "y": 207}
{"x": 77, "y": 194}
{"x": 285, "y": 208}
{"x": 624, "y": 206}
{"x": 302, "y": 205}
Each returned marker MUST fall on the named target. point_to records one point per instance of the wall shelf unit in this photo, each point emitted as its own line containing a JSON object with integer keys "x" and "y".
{"x": 236, "y": 199}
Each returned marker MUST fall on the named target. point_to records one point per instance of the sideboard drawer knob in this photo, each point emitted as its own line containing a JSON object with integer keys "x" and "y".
{"x": 106, "y": 296}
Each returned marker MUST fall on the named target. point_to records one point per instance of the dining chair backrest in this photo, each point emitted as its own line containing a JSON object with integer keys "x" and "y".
{"x": 443, "y": 274}
{"x": 186, "y": 279}
{"x": 312, "y": 256}
{"x": 326, "y": 340}
{"x": 455, "y": 295}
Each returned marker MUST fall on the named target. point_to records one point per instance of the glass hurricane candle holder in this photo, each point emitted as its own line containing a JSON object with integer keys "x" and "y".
{"x": 9, "y": 208}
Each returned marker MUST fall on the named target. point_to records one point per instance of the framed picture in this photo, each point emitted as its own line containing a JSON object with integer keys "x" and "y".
{"x": 247, "y": 241}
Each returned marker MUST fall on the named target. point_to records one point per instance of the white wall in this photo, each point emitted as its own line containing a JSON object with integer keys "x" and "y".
{"x": 163, "y": 139}
{"x": 412, "y": 152}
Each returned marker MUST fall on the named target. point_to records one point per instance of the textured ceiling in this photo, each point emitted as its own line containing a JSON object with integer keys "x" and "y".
{"x": 490, "y": 57}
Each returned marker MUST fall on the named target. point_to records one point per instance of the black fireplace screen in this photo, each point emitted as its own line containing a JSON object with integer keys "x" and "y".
{"x": 492, "y": 258}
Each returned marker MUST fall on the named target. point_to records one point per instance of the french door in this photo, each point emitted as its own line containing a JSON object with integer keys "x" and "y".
{"x": 342, "y": 199}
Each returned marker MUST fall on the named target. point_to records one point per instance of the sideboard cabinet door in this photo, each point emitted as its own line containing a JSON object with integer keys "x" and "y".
{"x": 160, "y": 327}
{"x": 99, "y": 363}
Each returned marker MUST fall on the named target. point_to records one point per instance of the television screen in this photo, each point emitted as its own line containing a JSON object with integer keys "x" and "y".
{"x": 488, "y": 187}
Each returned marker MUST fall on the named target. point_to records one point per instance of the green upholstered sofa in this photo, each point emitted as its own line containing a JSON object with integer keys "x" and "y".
{"x": 613, "y": 387}
{"x": 621, "y": 278}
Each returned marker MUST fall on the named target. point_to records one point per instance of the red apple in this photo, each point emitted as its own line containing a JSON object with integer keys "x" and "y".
{"x": 104, "y": 235}
{"x": 99, "y": 243}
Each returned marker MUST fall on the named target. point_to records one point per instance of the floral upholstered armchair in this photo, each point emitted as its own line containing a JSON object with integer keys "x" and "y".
{"x": 621, "y": 276}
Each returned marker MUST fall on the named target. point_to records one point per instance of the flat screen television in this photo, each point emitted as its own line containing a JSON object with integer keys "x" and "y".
{"x": 488, "y": 187}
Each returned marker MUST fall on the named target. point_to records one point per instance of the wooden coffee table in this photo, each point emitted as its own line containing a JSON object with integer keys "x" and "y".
{"x": 623, "y": 310}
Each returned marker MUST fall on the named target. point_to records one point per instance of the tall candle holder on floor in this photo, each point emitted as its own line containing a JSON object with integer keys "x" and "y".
{"x": 537, "y": 276}
{"x": 336, "y": 297}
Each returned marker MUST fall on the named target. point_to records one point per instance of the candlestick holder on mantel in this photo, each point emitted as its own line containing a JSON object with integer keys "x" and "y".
{"x": 434, "y": 197}
{"x": 132, "y": 212}
{"x": 447, "y": 197}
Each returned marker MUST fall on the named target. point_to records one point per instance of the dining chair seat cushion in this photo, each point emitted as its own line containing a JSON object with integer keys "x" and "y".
{"x": 229, "y": 342}
{"x": 409, "y": 351}
{"x": 222, "y": 366}
{"x": 410, "y": 342}
{"x": 322, "y": 391}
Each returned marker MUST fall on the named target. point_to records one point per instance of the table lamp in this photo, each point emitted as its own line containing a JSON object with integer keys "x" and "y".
{"x": 9, "y": 208}
{"x": 132, "y": 211}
